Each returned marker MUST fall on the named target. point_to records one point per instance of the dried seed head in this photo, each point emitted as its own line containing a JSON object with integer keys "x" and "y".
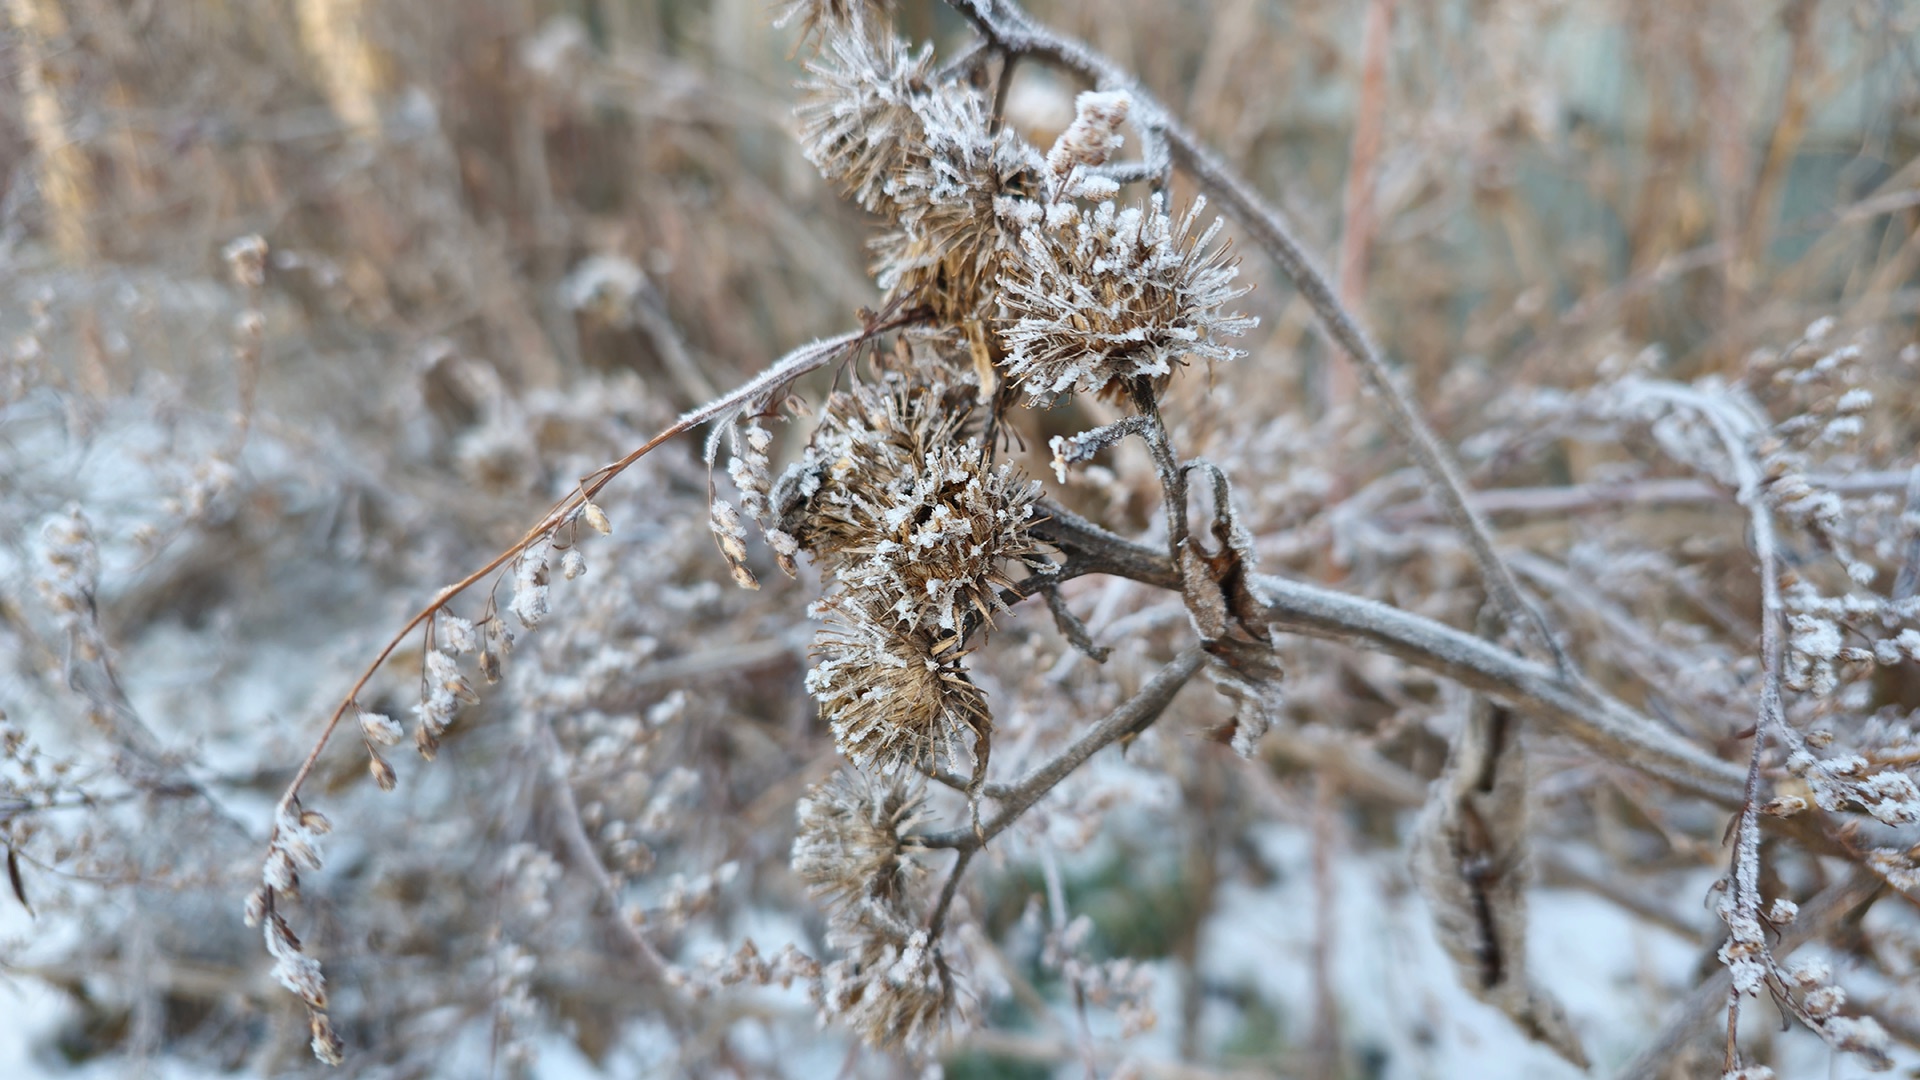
{"x": 573, "y": 565}
{"x": 927, "y": 156}
{"x": 891, "y": 701}
{"x": 938, "y": 545}
{"x": 867, "y": 438}
{"x": 852, "y": 846}
{"x": 1115, "y": 295}
{"x": 892, "y": 991}
{"x": 952, "y": 237}
{"x": 858, "y": 122}
{"x": 731, "y": 535}
{"x": 907, "y": 514}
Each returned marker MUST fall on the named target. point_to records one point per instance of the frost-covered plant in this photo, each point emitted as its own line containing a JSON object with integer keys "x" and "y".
{"x": 1111, "y": 296}
{"x": 1005, "y": 268}
{"x": 1698, "y": 603}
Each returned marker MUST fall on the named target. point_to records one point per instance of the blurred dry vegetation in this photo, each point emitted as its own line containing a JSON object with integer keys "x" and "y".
{"x": 511, "y": 239}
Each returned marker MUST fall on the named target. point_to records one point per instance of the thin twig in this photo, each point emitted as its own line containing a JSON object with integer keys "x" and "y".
{"x": 1690, "y": 1018}
{"x": 1734, "y": 430}
{"x": 1166, "y": 462}
{"x": 937, "y": 923}
{"x": 1057, "y": 914}
{"x": 1139, "y": 712}
{"x": 1558, "y": 500}
{"x": 574, "y": 832}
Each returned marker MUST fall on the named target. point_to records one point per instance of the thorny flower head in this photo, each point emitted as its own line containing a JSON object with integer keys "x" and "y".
{"x": 853, "y": 847}
{"x": 892, "y": 991}
{"x": 1113, "y": 295}
{"x": 937, "y": 545}
{"x": 950, "y": 198}
{"x": 860, "y": 119}
{"x": 907, "y": 514}
{"x": 892, "y": 698}
{"x": 928, "y": 158}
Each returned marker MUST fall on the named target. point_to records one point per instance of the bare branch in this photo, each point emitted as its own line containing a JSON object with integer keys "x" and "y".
{"x": 1579, "y": 498}
{"x": 1135, "y": 716}
{"x": 1564, "y": 707}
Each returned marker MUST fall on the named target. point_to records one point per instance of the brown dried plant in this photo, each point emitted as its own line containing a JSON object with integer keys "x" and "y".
{"x": 1643, "y": 612}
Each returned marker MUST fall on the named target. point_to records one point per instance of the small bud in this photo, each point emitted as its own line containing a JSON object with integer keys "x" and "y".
{"x": 326, "y": 1044}
{"x": 382, "y": 772}
{"x": 247, "y": 261}
{"x": 380, "y": 728}
{"x": 461, "y": 636}
{"x": 1824, "y": 1001}
{"x": 490, "y": 666}
{"x": 596, "y": 519}
{"x": 256, "y": 908}
{"x": 278, "y": 871}
{"x": 572, "y": 565}
{"x": 1784, "y": 806}
{"x": 731, "y": 535}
